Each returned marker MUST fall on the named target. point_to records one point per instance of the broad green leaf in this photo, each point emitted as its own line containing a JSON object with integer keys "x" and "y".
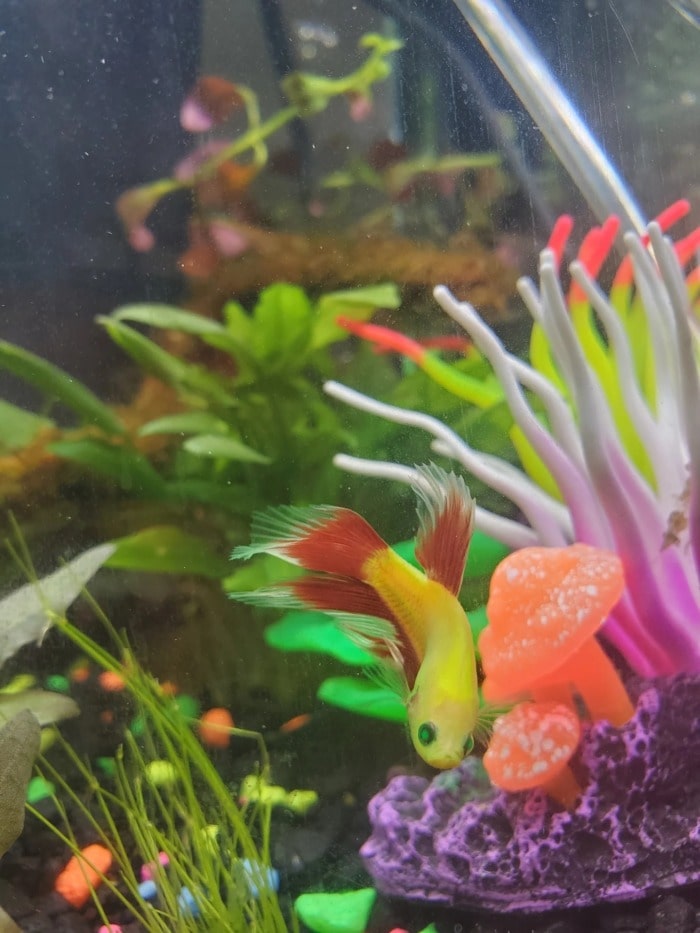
{"x": 337, "y": 912}
{"x": 45, "y": 706}
{"x": 359, "y": 695}
{"x": 234, "y": 497}
{"x": 216, "y": 445}
{"x": 356, "y": 303}
{"x": 478, "y": 620}
{"x": 130, "y": 469}
{"x": 166, "y": 317}
{"x": 54, "y": 383}
{"x": 19, "y": 746}
{"x": 167, "y": 549}
{"x": 187, "y": 422}
{"x": 26, "y": 614}
{"x": 317, "y": 632}
{"x": 259, "y": 571}
{"x": 485, "y": 553}
{"x": 187, "y": 378}
{"x": 19, "y": 427}
{"x": 281, "y": 334}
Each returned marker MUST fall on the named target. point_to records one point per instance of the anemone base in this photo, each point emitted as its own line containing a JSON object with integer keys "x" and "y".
{"x": 635, "y": 830}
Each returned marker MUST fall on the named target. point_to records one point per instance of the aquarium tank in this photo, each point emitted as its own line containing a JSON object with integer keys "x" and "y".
{"x": 350, "y": 466}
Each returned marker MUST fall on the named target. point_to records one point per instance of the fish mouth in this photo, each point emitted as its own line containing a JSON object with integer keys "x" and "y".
{"x": 445, "y": 762}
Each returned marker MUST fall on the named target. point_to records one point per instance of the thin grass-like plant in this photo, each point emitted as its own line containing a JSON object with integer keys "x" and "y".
{"x": 193, "y": 817}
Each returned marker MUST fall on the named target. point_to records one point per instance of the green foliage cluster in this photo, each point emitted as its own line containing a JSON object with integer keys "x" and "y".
{"x": 216, "y": 849}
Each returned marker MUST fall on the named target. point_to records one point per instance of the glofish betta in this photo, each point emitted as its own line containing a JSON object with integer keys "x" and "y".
{"x": 410, "y": 621}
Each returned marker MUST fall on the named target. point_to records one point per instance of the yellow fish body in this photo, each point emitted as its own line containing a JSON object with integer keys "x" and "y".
{"x": 412, "y": 622}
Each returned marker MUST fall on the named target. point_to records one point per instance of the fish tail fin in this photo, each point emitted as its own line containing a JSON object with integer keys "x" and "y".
{"x": 322, "y": 538}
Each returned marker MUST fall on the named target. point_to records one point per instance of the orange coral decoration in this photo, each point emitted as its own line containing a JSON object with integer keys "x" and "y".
{"x": 545, "y": 606}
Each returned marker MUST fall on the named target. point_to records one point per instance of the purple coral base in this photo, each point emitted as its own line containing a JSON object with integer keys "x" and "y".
{"x": 635, "y": 830}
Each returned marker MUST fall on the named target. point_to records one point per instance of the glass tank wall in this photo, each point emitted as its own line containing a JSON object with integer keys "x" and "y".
{"x": 349, "y": 466}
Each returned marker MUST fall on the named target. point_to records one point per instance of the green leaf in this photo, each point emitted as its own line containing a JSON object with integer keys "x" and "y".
{"x": 56, "y": 384}
{"x": 187, "y": 378}
{"x": 19, "y": 746}
{"x": 485, "y": 553}
{"x": 26, "y": 614}
{"x": 215, "y": 445}
{"x": 356, "y": 303}
{"x": 346, "y": 912}
{"x": 317, "y": 632}
{"x": 359, "y": 695}
{"x": 188, "y": 422}
{"x": 130, "y": 469}
{"x": 167, "y": 317}
{"x": 19, "y": 427}
{"x": 167, "y": 549}
{"x": 45, "y": 706}
{"x": 262, "y": 570}
{"x": 281, "y": 335}
{"x": 478, "y": 620}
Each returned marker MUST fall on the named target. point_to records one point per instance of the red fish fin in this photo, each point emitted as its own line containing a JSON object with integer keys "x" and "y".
{"x": 319, "y": 537}
{"x": 355, "y": 607}
{"x": 339, "y": 594}
{"x": 446, "y": 523}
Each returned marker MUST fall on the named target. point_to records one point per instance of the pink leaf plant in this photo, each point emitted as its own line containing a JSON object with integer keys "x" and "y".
{"x": 606, "y": 419}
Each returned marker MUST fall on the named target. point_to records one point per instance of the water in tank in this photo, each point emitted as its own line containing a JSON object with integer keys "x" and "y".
{"x": 349, "y": 466}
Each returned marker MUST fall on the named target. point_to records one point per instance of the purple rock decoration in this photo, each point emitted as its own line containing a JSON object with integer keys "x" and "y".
{"x": 458, "y": 842}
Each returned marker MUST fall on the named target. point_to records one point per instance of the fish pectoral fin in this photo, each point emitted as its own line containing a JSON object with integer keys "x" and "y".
{"x": 446, "y": 523}
{"x": 391, "y": 677}
{"x": 486, "y": 717}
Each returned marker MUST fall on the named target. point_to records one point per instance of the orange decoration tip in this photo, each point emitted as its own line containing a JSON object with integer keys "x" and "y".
{"x": 215, "y": 726}
{"x": 111, "y": 682}
{"x": 295, "y": 723}
{"x": 79, "y": 673}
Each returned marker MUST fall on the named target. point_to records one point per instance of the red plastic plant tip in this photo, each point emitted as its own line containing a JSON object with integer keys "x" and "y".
{"x": 214, "y": 727}
{"x": 391, "y": 341}
{"x": 673, "y": 213}
{"x": 82, "y": 874}
{"x": 295, "y": 723}
{"x": 559, "y": 237}
{"x": 594, "y": 250}
{"x": 531, "y": 747}
{"x": 210, "y": 102}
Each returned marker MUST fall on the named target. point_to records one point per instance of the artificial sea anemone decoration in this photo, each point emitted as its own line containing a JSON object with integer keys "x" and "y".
{"x": 607, "y": 427}
{"x": 616, "y": 463}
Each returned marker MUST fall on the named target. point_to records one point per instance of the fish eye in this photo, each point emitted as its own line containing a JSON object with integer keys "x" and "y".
{"x": 468, "y": 746}
{"x": 427, "y": 733}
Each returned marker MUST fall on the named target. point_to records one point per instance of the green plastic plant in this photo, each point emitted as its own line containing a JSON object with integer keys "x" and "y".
{"x": 263, "y": 433}
{"x": 218, "y": 851}
{"x": 308, "y": 94}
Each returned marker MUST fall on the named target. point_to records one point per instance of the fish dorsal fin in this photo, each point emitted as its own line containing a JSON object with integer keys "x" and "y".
{"x": 324, "y": 538}
{"x": 446, "y": 522}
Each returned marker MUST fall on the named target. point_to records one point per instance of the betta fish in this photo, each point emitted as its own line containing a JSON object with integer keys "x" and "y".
{"x": 410, "y": 621}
